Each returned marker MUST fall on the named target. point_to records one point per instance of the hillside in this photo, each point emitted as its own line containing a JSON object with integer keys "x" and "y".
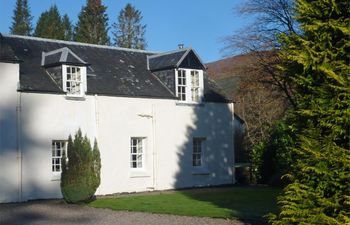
{"x": 228, "y": 72}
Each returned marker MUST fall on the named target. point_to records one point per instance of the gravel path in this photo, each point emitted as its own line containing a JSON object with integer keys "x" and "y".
{"x": 57, "y": 213}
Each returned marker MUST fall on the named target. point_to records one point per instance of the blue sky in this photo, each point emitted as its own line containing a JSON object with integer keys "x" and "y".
{"x": 201, "y": 24}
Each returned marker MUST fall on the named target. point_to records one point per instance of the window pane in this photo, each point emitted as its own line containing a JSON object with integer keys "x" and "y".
{"x": 133, "y": 157}
{"x": 68, "y": 69}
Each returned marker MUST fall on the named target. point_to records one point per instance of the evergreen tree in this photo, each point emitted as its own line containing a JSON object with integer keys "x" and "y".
{"x": 49, "y": 25}
{"x": 81, "y": 172}
{"x": 129, "y": 32}
{"x": 22, "y": 19}
{"x": 317, "y": 63}
{"x": 67, "y": 28}
{"x": 92, "y": 26}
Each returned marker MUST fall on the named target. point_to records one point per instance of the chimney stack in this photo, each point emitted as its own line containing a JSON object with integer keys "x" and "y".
{"x": 181, "y": 46}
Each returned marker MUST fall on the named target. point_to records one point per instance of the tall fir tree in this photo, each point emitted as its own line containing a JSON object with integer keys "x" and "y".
{"x": 129, "y": 32}
{"x": 49, "y": 25}
{"x": 317, "y": 64}
{"x": 67, "y": 28}
{"x": 22, "y": 19}
{"x": 92, "y": 26}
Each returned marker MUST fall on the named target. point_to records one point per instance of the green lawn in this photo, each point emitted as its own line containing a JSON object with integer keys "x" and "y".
{"x": 234, "y": 202}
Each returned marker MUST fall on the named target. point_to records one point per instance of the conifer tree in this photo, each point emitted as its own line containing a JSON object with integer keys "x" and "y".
{"x": 67, "y": 28}
{"x": 129, "y": 32}
{"x": 22, "y": 19}
{"x": 92, "y": 26}
{"x": 49, "y": 25}
{"x": 81, "y": 171}
{"x": 317, "y": 63}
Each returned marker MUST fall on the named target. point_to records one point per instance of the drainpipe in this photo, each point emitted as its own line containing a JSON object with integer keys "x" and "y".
{"x": 233, "y": 141}
{"x": 18, "y": 145}
{"x": 96, "y": 116}
{"x": 154, "y": 160}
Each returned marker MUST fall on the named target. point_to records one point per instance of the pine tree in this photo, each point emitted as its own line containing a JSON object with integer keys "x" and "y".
{"x": 49, "y": 25}
{"x": 129, "y": 32}
{"x": 67, "y": 27}
{"x": 22, "y": 19}
{"x": 81, "y": 172}
{"x": 92, "y": 26}
{"x": 317, "y": 63}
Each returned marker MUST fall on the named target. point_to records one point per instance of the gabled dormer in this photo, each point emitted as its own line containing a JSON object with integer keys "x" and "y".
{"x": 67, "y": 69}
{"x": 182, "y": 71}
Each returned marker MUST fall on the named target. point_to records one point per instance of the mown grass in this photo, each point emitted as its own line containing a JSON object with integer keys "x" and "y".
{"x": 233, "y": 202}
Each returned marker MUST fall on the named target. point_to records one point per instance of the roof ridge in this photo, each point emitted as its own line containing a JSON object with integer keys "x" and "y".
{"x": 77, "y": 43}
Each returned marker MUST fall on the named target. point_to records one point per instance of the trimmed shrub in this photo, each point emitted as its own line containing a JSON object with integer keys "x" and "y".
{"x": 80, "y": 170}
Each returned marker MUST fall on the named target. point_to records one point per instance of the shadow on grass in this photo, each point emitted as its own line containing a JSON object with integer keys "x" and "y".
{"x": 245, "y": 203}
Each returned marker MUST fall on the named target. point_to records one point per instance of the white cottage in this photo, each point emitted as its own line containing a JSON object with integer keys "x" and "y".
{"x": 159, "y": 121}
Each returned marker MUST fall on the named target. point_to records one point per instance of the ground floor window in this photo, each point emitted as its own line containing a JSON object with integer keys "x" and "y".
{"x": 58, "y": 149}
{"x": 137, "y": 151}
{"x": 197, "y": 152}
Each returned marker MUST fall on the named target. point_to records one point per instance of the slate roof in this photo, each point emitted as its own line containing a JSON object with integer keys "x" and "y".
{"x": 169, "y": 60}
{"x": 110, "y": 71}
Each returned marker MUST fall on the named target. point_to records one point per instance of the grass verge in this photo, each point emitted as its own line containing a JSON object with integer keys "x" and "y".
{"x": 232, "y": 203}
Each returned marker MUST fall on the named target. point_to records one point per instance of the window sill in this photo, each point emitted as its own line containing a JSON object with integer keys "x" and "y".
{"x": 200, "y": 171}
{"x": 180, "y": 103}
{"x": 138, "y": 174}
{"x": 75, "y": 97}
{"x": 56, "y": 177}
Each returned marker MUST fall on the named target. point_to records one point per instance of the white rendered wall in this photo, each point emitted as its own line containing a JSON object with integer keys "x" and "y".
{"x": 9, "y": 157}
{"x": 167, "y": 127}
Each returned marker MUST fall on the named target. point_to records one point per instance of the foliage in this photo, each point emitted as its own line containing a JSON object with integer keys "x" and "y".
{"x": 129, "y": 32}
{"x": 236, "y": 202}
{"x": 273, "y": 157}
{"x": 67, "y": 28}
{"x": 50, "y": 25}
{"x": 260, "y": 38}
{"x": 81, "y": 171}
{"x": 92, "y": 26}
{"x": 317, "y": 63}
{"x": 22, "y": 19}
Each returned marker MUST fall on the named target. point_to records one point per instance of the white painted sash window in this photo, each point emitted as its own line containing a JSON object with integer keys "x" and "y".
{"x": 74, "y": 80}
{"x": 195, "y": 87}
{"x": 189, "y": 85}
{"x": 181, "y": 85}
{"x": 137, "y": 153}
{"x": 197, "y": 153}
{"x": 58, "y": 147}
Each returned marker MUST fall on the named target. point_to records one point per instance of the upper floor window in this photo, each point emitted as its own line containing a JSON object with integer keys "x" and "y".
{"x": 74, "y": 80}
{"x": 189, "y": 85}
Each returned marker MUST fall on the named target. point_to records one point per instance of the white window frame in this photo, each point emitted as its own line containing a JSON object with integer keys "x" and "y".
{"x": 56, "y": 159}
{"x": 189, "y": 85}
{"x": 195, "y": 152}
{"x": 142, "y": 141}
{"x": 82, "y": 81}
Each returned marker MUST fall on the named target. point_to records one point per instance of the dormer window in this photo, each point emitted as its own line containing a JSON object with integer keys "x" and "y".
{"x": 189, "y": 85}
{"x": 74, "y": 80}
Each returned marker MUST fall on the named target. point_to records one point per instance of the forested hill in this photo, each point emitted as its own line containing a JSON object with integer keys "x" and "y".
{"x": 227, "y": 72}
